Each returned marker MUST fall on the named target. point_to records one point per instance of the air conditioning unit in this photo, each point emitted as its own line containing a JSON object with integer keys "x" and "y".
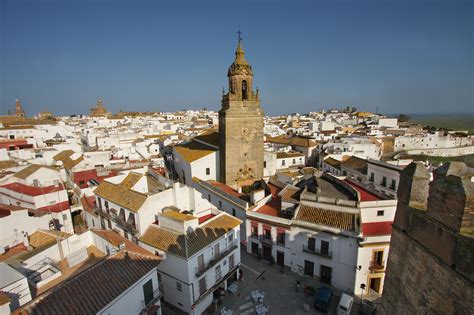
{"x": 122, "y": 245}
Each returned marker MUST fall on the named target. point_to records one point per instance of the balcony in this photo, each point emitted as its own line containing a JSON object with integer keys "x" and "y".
{"x": 123, "y": 224}
{"x": 103, "y": 213}
{"x": 318, "y": 252}
{"x": 201, "y": 270}
{"x": 376, "y": 266}
{"x": 150, "y": 306}
{"x": 266, "y": 240}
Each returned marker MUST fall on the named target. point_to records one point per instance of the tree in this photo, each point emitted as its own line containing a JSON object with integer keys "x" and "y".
{"x": 403, "y": 118}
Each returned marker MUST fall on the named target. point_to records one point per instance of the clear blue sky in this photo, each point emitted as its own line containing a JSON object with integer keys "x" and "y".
{"x": 399, "y": 56}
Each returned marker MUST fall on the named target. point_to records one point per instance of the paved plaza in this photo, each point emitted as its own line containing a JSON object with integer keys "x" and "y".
{"x": 279, "y": 288}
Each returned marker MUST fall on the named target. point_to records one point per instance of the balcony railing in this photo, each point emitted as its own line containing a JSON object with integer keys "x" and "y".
{"x": 202, "y": 269}
{"x": 375, "y": 266}
{"x": 122, "y": 223}
{"x": 266, "y": 240}
{"x": 103, "y": 213}
{"x": 318, "y": 252}
{"x": 151, "y": 303}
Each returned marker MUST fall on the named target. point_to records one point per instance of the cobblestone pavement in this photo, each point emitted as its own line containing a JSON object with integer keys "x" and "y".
{"x": 279, "y": 287}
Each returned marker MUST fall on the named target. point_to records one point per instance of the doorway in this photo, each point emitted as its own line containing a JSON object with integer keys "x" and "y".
{"x": 267, "y": 252}
{"x": 375, "y": 284}
{"x": 309, "y": 268}
{"x": 280, "y": 258}
{"x": 326, "y": 274}
{"x": 254, "y": 248}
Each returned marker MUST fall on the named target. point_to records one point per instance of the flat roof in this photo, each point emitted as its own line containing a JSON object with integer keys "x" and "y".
{"x": 329, "y": 189}
{"x": 9, "y": 275}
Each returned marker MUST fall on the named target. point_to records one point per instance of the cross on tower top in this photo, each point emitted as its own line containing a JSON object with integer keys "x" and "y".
{"x": 239, "y": 34}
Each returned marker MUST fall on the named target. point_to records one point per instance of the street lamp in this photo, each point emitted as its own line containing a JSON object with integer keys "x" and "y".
{"x": 362, "y": 288}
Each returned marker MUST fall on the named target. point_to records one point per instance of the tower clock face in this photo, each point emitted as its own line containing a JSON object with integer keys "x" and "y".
{"x": 244, "y": 131}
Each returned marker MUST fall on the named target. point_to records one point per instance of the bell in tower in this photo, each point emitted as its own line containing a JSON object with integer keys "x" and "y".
{"x": 240, "y": 126}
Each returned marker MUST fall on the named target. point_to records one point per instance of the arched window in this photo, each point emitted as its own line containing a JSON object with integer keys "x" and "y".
{"x": 244, "y": 90}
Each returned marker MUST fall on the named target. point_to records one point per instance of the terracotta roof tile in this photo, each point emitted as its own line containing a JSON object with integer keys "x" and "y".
{"x": 30, "y": 169}
{"x": 193, "y": 150}
{"x": 331, "y": 218}
{"x": 121, "y": 193}
{"x": 186, "y": 245}
{"x": 92, "y": 289}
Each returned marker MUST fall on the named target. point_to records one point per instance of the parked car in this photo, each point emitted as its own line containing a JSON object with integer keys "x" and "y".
{"x": 345, "y": 305}
{"x": 323, "y": 298}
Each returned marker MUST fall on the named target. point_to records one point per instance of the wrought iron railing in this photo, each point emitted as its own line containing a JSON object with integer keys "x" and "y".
{"x": 318, "y": 252}
{"x": 146, "y": 306}
{"x": 200, "y": 270}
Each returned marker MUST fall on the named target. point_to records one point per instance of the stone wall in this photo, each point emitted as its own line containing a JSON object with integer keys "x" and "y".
{"x": 418, "y": 283}
{"x": 430, "y": 265}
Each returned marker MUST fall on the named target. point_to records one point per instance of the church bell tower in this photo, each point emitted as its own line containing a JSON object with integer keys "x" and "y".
{"x": 240, "y": 126}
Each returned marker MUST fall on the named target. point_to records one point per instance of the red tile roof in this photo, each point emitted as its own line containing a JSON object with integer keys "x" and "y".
{"x": 272, "y": 208}
{"x": 377, "y": 228}
{"x": 275, "y": 190}
{"x": 206, "y": 217}
{"x": 59, "y": 207}
{"x": 31, "y": 190}
{"x": 225, "y": 188}
{"x": 88, "y": 203}
{"x": 85, "y": 176}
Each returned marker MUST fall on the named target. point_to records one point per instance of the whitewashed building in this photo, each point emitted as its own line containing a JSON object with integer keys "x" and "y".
{"x": 201, "y": 255}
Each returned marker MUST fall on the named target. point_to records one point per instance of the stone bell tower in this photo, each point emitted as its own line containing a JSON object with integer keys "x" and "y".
{"x": 19, "y": 112}
{"x": 240, "y": 126}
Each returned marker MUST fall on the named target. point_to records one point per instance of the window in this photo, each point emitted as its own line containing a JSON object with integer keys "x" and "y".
{"x": 324, "y": 248}
{"x": 106, "y": 205}
{"x": 148, "y": 292}
{"x": 208, "y": 171}
{"x": 311, "y": 243}
{"x": 283, "y": 162}
{"x": 201, "y": 262}
{"x": 64, "y": 217}
{"x": 380, "y": 213}
{"x": 281, "y": 238}
{"x": 231, "y": 237}
{"x": 294, "y": 161}
{"x": 202, "y": 286}
{"x": 209, "y": 197}
{"x": 393, "y": 185}
{"x": 231, "y": 261}
{"x": 217, "y": 251}
{"x": 264, "y": 164}
{"x": 220, "y": 205}
{"x": 233, "y": 212}
{"x": 267, "y": 234}
{"x": 384, "y": 181}
{"x": 372, "y": 177}
{"x": 218, "y": 272}
{"x": 178, "y": 286}
{"x": 99, "y": 202}
{"x": 254, "y": 230}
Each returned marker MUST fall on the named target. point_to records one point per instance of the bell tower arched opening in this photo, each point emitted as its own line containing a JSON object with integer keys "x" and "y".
{"x": 244, "y": 90}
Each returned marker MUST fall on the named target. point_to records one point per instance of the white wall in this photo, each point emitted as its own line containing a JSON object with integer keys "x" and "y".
{"x": 131, "y": 301}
